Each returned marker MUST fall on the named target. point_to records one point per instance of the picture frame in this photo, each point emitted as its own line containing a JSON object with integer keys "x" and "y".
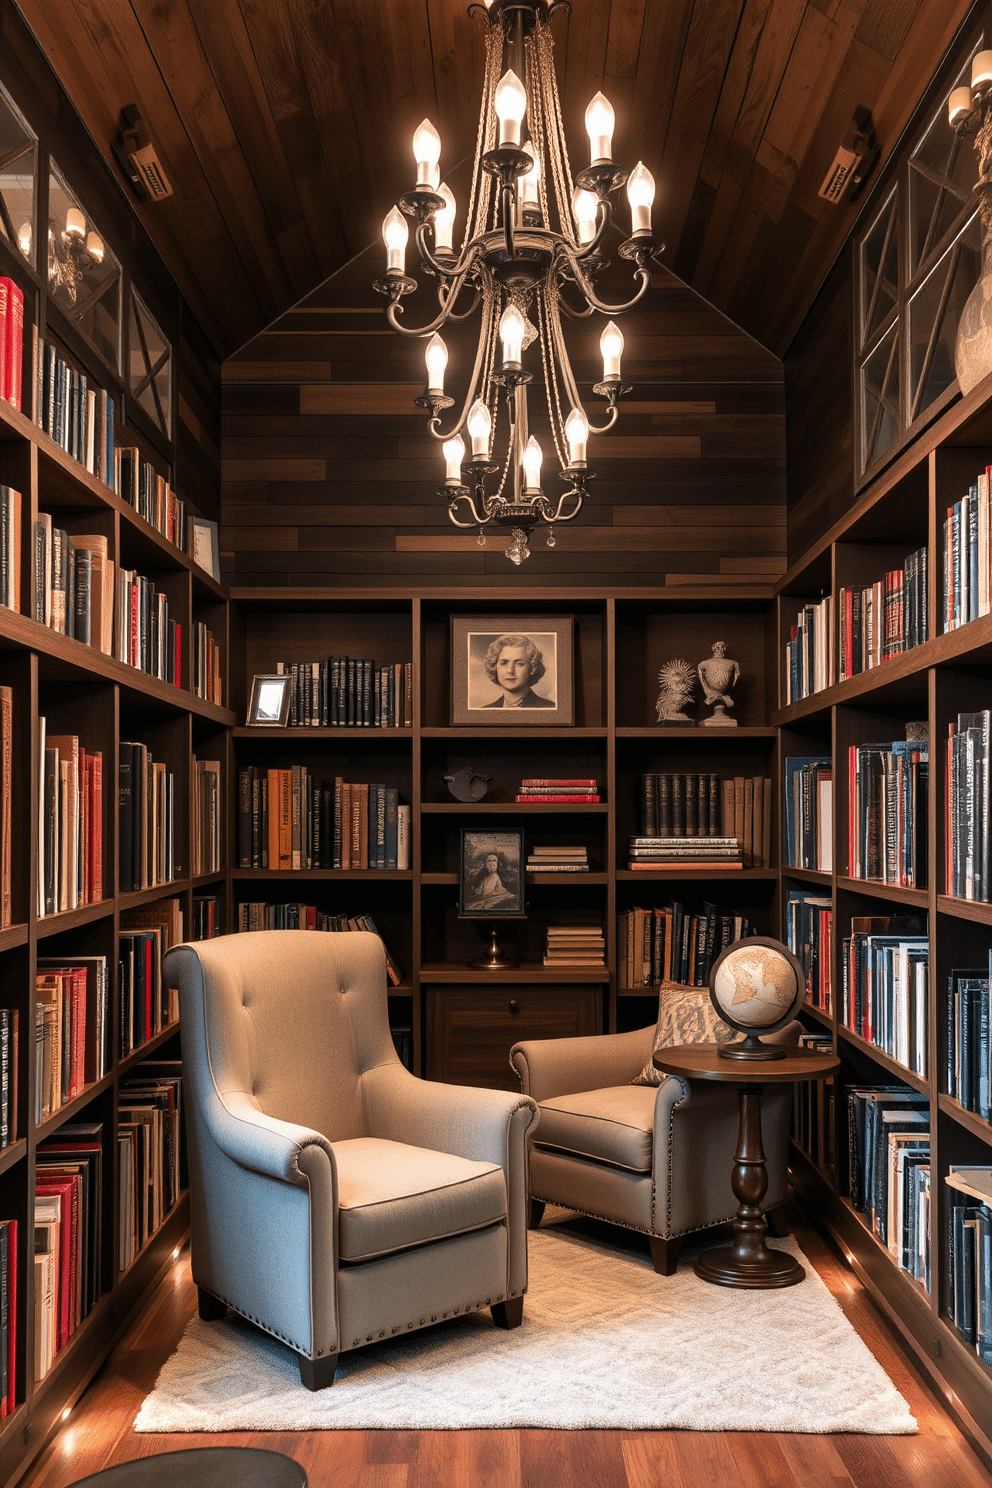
{"x": 206, "y": 547}
{"x": 509, "y": 671}
{"x": 270, "y": 700}
{"x": 491, "y": 874}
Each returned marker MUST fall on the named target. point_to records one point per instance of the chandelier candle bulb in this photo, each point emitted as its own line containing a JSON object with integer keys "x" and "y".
{"x": 600, "y": 120}
{"x": 530, "y": 182}
{"x": 444, "y": 221}
{"x": 511, "y": 105}
{"x": 24, "y": 238}
{"x": 395, "y": 235}
{"x": 454, "y": 452}
{"x": 577, "y": 435}
{"x": 480, "y": 428}
{"x": 426, "y": 152}
{"x": 511, "y": 333}
{"x": 94, "y": 247}
{"x": 611, "y": 345}
{"x": 585, "y": 206}
{"x": 640, "y": 194}
{"x": 436, "y": 357}
{"x": 75, "y": 223}
{"x": 981, "y": 72}
{"x": 532, "y": 462}
{"x": 959, "y": 106}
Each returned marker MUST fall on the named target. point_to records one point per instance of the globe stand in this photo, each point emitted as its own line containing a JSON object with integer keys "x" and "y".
{"x": 751, "y": 1048}
{"x": 496, "y": 959}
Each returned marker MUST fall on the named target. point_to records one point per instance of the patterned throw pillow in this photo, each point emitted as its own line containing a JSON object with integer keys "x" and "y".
{"x": 685, "y": 1016}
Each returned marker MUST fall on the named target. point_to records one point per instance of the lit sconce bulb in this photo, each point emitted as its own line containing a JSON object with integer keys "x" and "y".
{"x": 958, "y": 106}
{"x": 94, "y": 247}
{"x": 611, "y": 345}
{"x": 395, "y": 235}
{"x": 436, "y": 357}
{"x": 454, "y": 453}
{"x": 981, "y": 71}
{"x": 444, "y": 221}
{"x": 511, "y": 333}
{"x": 24, "y": 238}
{"x": 511, "y": 105}
{"x": 530, "y": 184}
{"x": 577, "y": 435}
{"x": 480, "y": 427}
{"x": 585, "y": 206}
{"x": 426, "y": 152}
{"x": 600, "y": 120}
{"x": 75, "y": 223}
{"x": 640, "y": 194}
{"x": 532, "y": 465}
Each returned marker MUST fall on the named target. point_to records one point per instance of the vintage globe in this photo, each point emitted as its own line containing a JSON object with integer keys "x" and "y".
{"x": 757, "y": 985}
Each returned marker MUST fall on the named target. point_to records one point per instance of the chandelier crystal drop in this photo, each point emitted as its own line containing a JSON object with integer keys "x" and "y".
{"x": 530, "y": 254}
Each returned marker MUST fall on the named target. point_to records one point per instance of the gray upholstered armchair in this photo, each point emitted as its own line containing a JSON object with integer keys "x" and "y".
{"x": 336, "y": 1199}
{"x": 654, "y": 1159}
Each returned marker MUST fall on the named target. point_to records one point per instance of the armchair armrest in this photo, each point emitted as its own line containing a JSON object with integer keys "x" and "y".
{"x": 564, "y": 1066}
{"x": 263, "y": 1144}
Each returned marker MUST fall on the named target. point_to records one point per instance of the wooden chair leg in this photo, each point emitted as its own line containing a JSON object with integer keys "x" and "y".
{"x": 318, "y": 1374}
{"x": 536, "y": 1213}
{"x": 209, "y": 1308}
{"x": 509, "y": 1314}
{"x": 665, "y": 1254}
{"x": 776, "y": 1222}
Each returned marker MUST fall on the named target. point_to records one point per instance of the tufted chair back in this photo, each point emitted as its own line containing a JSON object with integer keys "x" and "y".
{"x": 293, "y": 1020}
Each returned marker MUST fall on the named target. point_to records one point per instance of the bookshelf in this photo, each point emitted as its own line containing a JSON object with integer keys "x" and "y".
{"x": 947, "y": 674}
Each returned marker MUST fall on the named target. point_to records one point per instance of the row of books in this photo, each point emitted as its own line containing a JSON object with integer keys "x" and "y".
{"x": 8, "y": 1316}
{"x": 887, "y": 812}
{"x": 146, "y": 819}
{"x": 808, "y": 931}
{"x": 73, "y": 583}
{"x": 145, "y": 637}
{"x": 575, "y": 945}
{"x": 78, "y": 416}
{"x": 207, "y": 816}
{"x": 70, "y": 845}
{"x": 547, "y": 858}
{"x": 149, "y": 1138}
{"x": 256, "y": 915}
{"x": 884, "y": 979}
{"x": 881, "y": 620}
{"x": 889, "y": 1167}
{"x": 809, "y": 812}
{"x": 555, "y": 791}
{"x": 68, "y": 1224}
{"x": 11, "y": 341}
{"x": 72, "y": 998}
{"x": 147, "y": 1004}
{"x": 674, "y": 944}
{"x": 813, "y": 1106}
{"x": 206, "y": 917}
{"x": 9, "y": 1038}
{"x": 969, "y": 1043}
{"x": 701, "y": 805}
{"x": 11, "y": 505}
{"x": 681, "y": 854}
{"x": 967, "y": 805}
{"x": 289, "y": 820}
{"x": 967, "y": 556}
{"x": 969, "y": 1256}
{"x": 151, "y": 496}
{"x": 349, "y": 692}
{"x": 809, "y": 662}
{"x": 205, "y": 674}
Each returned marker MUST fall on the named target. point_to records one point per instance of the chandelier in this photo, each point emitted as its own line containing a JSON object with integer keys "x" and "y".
{"x": 530, "y": 255}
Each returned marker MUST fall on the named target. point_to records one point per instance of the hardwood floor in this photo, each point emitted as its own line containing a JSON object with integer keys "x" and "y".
{"x": 98, "y": 1433}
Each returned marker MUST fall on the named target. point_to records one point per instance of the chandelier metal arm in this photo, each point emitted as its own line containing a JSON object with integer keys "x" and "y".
{"x": 446, "y": 269}
{"x": 444, "y": 298}
{"x": 558, "y": 515}
{"x": 485, "y": 336}
{"x": 642, "y": 273}
{"x": 475, "y": 520}
{"x": 396, "y": 309}
{"x": 605, "y": 428}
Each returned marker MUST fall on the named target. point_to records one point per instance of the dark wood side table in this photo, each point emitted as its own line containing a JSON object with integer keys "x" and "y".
{"x": 747, "y": 1262}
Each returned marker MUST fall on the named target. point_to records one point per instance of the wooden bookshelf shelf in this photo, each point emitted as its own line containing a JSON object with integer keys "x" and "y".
{"x": 918, "y": 1082}
{"x": 511, "y": 808}
{"x": 970, "y": 1120}
{"x": 524, "y": 972}
{"x": 918, "y": 898}
{"x": 14, "y": 1153}
{"x": 975, "y": 910}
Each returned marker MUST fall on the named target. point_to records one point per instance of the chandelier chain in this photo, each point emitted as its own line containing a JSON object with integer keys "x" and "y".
{"x": 558, "y": 148}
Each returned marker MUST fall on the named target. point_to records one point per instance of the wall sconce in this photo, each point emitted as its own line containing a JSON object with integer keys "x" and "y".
{"x": 72, "y": 251}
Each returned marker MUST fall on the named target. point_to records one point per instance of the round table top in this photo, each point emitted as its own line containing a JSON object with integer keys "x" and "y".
{"x": 703, "y": 1062}
{"x": 203, "y": 1467}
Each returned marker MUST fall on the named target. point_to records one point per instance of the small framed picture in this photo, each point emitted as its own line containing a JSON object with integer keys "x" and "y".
{"x": 269, "y": 706}
{"x": 206, "y": 550}
{"x": 512, "y": 670}
{"x": 491, "y": 875}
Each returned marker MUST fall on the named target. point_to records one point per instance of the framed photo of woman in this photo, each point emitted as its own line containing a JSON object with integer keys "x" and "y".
{"x": 491, "y": 875}
{"x": 508, "y": 671}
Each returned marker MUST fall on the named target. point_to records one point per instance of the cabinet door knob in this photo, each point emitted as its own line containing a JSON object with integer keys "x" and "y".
{"x": 513, "y": 1004}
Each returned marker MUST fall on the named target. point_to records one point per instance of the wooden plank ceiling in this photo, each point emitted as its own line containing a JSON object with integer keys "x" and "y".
{"x": 284, "y": 126}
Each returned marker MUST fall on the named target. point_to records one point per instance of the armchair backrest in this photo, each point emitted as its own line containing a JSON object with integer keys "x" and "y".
{"x": 292, "y": 1019}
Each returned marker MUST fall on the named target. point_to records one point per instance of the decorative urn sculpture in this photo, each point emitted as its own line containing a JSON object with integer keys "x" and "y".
{"x": 718, "y": 674}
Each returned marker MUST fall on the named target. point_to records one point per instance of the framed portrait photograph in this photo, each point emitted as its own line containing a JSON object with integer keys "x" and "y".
{"x": 491, "y": 875}
{"x": 512, "y": 670}
{"x": 269, "y": 705}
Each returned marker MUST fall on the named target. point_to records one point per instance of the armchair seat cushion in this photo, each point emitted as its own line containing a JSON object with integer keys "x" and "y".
{"x": 392, "y": 1196}
{"x": 614, "y": 1125}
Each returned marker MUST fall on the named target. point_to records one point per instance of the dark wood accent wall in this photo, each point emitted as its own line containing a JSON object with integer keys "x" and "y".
{"x": 331, "y": 477}
{"x": 820, "y": 413}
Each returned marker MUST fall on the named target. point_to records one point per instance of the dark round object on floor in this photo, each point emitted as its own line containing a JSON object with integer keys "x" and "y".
{"x": 203, "y": 1467}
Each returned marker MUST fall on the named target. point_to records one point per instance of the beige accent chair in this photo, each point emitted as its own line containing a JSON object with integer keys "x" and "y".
{"x": 335, "y": 1199}
{"x": 656, "y": 1159}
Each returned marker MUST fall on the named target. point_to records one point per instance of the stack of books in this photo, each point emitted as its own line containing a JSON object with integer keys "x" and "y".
{"x": 557, "y": 791}
{"x": 650, "y": 854}
{"x": 68, "y": 1209}
{"x": 884, "y": 974}
{"x": 881, "y": 620}
{"x": 575, "y": 945}
{"x": 887, "y": 812}
{"x": 889, "y": 1153}
{"x": 548, "y": 859}
{"x": 702, "y": 804}
{"x": 72, "y": 1015}
{"x": 970, "y": 1256}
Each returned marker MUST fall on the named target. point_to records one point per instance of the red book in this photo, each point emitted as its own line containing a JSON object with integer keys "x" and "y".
{"x": 179, "y": 654}
{"x": 4, "y": 317}
{"x": 555, "y": 800}
{"x": 553, "y": 781}
{"x": 680, "y": 865}
{"x": 68, "y": 1190}
{"x": 13, "y": 369}
{"x": 7, "y": 1404}
{"x": 149, "y": 1016}
{"x": 94, "y": 846}
{"x": 77, "y": 1061}
{"x": 133, "y": 655}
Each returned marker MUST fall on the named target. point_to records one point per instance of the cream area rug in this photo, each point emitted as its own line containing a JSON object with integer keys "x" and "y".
{"x": 605, "y": 1343}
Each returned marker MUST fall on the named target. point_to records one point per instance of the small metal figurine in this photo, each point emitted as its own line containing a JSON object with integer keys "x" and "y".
{"x": 676, "y": 684}
{"x": 718, "y": 675}
{"x": 468, "y": 784}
